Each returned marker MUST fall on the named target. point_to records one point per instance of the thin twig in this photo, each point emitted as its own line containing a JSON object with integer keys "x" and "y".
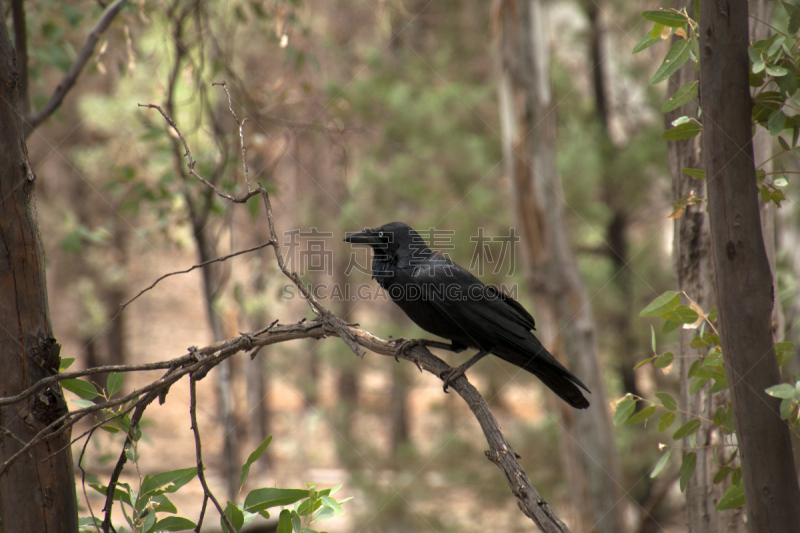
{"x": 239, "y": 123}
{"x": 41, "y": 384}
{"x": 123, "y": 457}
{"x": 66, "y": 421}
{"x": 35, "y": 119}
{"x": 83, "y": 480}
{"x": 191, "y": 164}
{"x": 199, "y": 453}
{"x": 202, "y": 514}
{"x": 217, "y": 260}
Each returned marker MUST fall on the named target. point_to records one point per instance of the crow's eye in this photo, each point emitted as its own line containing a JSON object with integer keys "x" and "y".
{"x": 380, "y": 234}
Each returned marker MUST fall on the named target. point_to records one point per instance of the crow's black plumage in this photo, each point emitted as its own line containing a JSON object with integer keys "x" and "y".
{"x": 447, "y": 300}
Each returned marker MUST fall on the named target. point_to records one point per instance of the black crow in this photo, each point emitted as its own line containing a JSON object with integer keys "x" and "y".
{"x": 447, "y": 300}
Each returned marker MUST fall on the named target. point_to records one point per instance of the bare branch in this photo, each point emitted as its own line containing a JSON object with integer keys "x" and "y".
{"x": 218, "y": 259}
{"x": 199, "y": 454}
{"x": 199, "y": 525}
{"x": 191, "y": 164}
{"x": 123, "y": 457}
{"x": 39, "y": 385}
{"x": 83, "y": 475}
{"x": 500, "y": 451}
{"x": 241, "y": 133}
{"x": 32, "y": 121}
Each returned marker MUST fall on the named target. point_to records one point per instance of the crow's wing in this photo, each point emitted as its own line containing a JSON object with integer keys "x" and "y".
{"x": 494, "y": 321}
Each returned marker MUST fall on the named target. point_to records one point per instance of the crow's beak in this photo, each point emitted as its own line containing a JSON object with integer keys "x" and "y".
{"x": 363, "y": 237}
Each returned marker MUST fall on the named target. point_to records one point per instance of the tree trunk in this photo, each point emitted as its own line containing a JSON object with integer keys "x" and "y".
{"x": 743, "y": 276}
{"x": 551, "y": 268}
{"x": 762, "y": 150}
{"x": 695, "y": 275}
{"x": 38, "y": 491}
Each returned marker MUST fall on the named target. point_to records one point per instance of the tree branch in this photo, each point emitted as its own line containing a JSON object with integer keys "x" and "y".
{"x": 500, "y": 451}
{"x": 191, "y": 164}
{"x": 123, "y": 458}
{"x": 217, "y": 260}
{"x": 33, "y": 120}
{"x": 199, "y": 454}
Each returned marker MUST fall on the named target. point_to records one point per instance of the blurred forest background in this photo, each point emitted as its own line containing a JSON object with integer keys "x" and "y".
{"x": 358, "y": 113}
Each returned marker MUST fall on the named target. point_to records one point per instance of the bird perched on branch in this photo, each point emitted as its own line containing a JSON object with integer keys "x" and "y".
{"x": 447, "y": 300}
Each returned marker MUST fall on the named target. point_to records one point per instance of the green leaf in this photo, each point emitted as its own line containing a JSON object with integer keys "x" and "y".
{"x": 682, "y": 131}
{"x": 736, "y": 477}
{"x": 119, "y": 494}
{"x": 687, "y": 468}
{"x": 83, "y": 404}
{"x": 646, "y": 42}
{"x": 776, "y": 122}
{"x": 682, "y": 96}
{"x": 235, "y": 516}
{"x": 664, "y": 360}
{"x": 285, "y": 522}
{"x": 697, "y": 384}
{"x": 114, "y": 382}
{"x": 784, "y": 390}
{"x": 681, "y": 120}
{"x": 65, "y": 363}
{"x": 656, "y": 31}
{"x": 682, "y": 314}
{"x": 673, "y": 19}
{"x": 653, "y": 339}
{"x": 642, "y": 363}
{"x": 660, "y": 464}
{"x": 765, "y": 104}
{"x": 168, "y": 481}
{"x": 666, "y": 421}
{"x": 755, "y": 55}
{"x": 784, "y": 351}
{"x": 624, "y": 410}
{"x": 733, "y": 498}
{"x": 788, "y": 407}
{"x": 687, "y": 429}
{"x": 297, "y": 525}
{"x": 794, "y": 17}
{"x": 324, "y": 513}
{"x": 666, "y": 302}
{"x": 721, "y": 474}
{"x": 720, "y": 384}
{"x": 264, "y": 498}
{"x": 696, "y": 173}
{"x": 667, "y": 401}
{"x": 327, "y": 501}
{"x": 257, "y": 453}
{"x": 174, "y": 523}
{"x": 776, "y": 71}
{"x": 669, "y": 326}
{"x": 675, "y": 58}
{"x": 642, "y": 415}
{"x": 82, "y": 388}
{"x": 164, "y": 505}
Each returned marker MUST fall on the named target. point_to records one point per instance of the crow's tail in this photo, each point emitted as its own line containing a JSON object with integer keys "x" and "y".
{"x": 544, "y": 366}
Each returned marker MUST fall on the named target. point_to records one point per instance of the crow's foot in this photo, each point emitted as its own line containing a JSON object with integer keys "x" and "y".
{"x": 404, "y": 345}
{"x": 451, "y": 374}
